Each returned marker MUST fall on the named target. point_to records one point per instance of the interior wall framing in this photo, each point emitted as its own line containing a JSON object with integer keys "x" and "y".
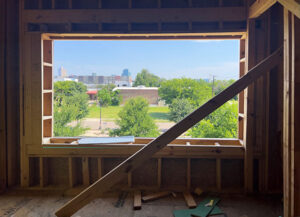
{"x": 9, "y": 94}
{"x": 31, "y": 29}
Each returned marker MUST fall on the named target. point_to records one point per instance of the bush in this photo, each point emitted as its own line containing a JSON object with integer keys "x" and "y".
{"x": 222, "y": 123}
{"x": 134, "y": 120}
{"x": 179, "y": 109}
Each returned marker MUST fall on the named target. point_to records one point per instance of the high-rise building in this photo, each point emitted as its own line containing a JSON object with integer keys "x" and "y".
{"x": 62, "y": 73}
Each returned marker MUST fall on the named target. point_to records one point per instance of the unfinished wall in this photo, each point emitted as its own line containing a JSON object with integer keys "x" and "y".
{"x": 9, "y": 94}
{"x": 264, "y": 131}
{"x": 264, "y": 110}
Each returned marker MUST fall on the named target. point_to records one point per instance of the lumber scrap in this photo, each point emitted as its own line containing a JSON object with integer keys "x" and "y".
{"x": 189, "y": 200}
{"x": 145, "y": 153}
{"x": 155, "y": 196}
{"x": 137, "y": 200}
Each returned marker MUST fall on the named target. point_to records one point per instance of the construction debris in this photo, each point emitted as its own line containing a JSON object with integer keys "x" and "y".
{"x": 121, "y": 199}
{"x": 189, "y": 199}
{"x": 198, "y": 191}
{"x": 156, "y": 196}
{"x": 210, "y": 203}
{"x": 201, "y": 210}
{"x": 137, "y": 200}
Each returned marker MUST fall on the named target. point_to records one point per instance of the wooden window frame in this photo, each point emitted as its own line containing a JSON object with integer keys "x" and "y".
{"x": 47, "y": 69}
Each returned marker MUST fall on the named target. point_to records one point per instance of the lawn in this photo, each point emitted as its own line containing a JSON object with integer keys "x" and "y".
{"x": 159, "y": 114}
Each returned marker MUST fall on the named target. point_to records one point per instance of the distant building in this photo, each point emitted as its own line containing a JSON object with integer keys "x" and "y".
{"x": 124, "y": 80}
{"x": 149, "y": 93}
{"x": 62, "y": 73}
{"x": 65, "y": 79}
{"x": 92, "y": 94}
{"x": 126, "y": 73}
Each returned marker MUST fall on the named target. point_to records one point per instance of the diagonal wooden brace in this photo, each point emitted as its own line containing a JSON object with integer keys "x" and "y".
{"x": 145, "y": 153}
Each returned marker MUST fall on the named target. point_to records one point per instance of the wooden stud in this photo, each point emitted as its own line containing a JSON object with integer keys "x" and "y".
{"x": 99, "y": 166}
{"x": 129, "y": 179}
{"x": 291, "y": 127}
{"x": 218, "y": 175}
{"x": 188, "y": 174}
{"x": 159, "y": 162}
{"x": 249, "y": 109}
{"x": 43, "y": 172}
{"x": 72, "y": 172}
{"x": 3, "y": 144}
{"x": 85, "y": 171}
{"x": 133, "y": 162}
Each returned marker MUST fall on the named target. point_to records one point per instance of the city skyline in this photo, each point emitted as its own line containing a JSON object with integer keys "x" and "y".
{"x": 199, "y": 58}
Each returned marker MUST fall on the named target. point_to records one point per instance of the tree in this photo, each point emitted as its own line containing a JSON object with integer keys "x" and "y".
{"x": 222, "y": 123}
{"x": 146, "y": 79}
{"x": 134, "y": 120}
{"x": 179, "y": 109}
{"x": 108, "y": 97}
{"x": 220, "y": 85}
{"x": 196, "y": 92}
{"x": 70, "y": 104}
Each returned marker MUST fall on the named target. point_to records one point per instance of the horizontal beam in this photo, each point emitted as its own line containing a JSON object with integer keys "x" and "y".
{"x": 170, "y": 151}
{"x": 144, "y": 154}
{"x": 146, "y": 140}
{"x": 135, "y": 15}
{"x": 259, "y": 7}
{"x": 171, "y": 36}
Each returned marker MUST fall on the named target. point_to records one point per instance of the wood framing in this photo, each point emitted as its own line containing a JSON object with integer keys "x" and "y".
{"x": 145, "y": 153}
{"x": 3, "y": 166}
{"x": 259, "y": 7}
{"x": 291, "y": 5}
{"x": 153, "y": 15}
{"x": 291, "y": 117}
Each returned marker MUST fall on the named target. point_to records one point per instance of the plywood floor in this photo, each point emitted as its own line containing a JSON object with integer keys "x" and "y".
{"x": 16, "y": 205}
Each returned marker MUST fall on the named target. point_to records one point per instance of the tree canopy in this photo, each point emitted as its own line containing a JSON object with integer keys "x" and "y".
{"x": 195, "y": 91}
{"x": 70, "y": 104}
{"x": 108, "y": 97}
{"x": 146, "y": 79}
{"x": 134, "y": 120}
{"x": 179, "y": 109}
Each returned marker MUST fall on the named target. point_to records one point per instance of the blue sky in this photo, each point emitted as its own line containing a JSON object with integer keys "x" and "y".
{"x": 167, "y": 59}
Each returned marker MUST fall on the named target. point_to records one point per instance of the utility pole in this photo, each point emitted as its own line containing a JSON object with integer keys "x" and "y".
{"x": 100, "y": 126}
{"x": 213, "y": 86}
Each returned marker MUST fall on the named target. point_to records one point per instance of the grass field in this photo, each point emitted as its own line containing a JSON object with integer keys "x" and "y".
{"x": 159, "y": 114}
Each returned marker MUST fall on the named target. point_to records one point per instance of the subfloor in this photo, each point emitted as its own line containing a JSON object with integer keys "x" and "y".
{"x": 112, "y": 205}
